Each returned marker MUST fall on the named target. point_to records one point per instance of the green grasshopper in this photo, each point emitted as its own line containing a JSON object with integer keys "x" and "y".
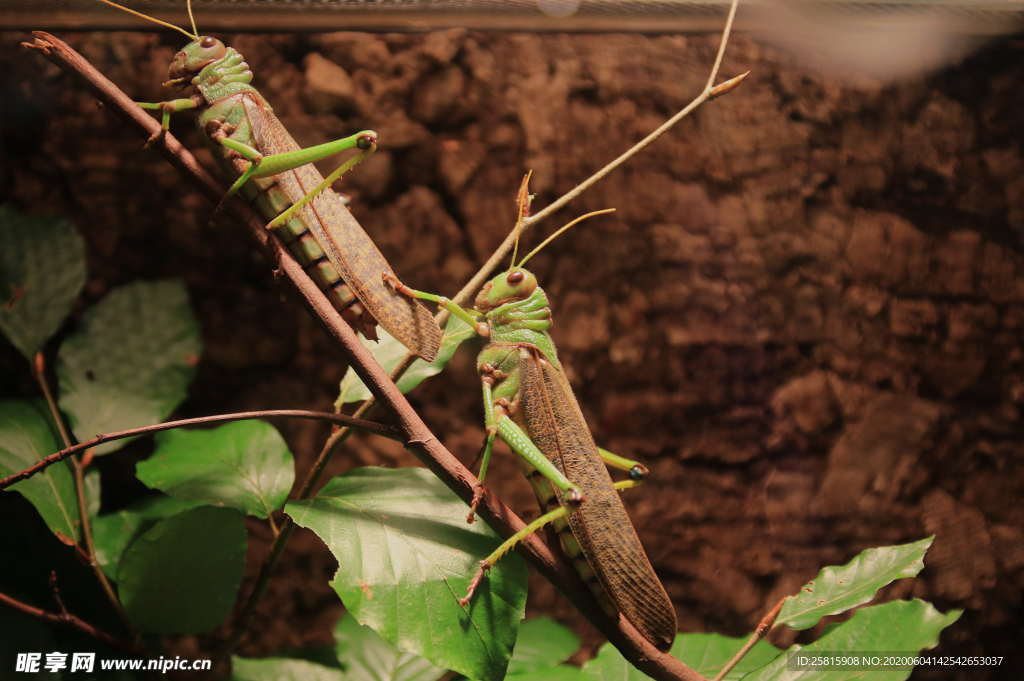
{"x": 278, "y": 178}
{"x": 528, "y": 403}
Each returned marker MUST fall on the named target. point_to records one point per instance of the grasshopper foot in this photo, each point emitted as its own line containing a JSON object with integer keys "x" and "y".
{"x": 639, "y": 472}
{"x": 155, "y": 137}
{"x": 574, "y": 497}
{"x": 396, "y": 285}
{"x": 477, "y": 578}
{"x": 478, "y": 495}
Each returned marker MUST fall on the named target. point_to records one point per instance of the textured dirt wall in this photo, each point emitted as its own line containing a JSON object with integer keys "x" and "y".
{"x": 806, "y": 315}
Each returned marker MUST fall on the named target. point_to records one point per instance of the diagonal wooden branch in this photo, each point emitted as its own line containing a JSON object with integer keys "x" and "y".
{"x": 710, "y": 91}
{"x": 419, "y": 439}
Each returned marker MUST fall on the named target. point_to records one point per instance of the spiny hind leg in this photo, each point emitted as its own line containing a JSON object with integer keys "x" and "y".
{"x": 264, "y": 166}
{"x": 365, "y": 141}
{"x": 487, "y": 563}
{"x": 506, "y": 546}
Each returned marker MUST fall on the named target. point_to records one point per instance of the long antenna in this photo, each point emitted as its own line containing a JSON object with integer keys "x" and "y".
{"x": 193, "y": 36}
{"x": 191, "y": 18}
{"x": 559, "y": 232}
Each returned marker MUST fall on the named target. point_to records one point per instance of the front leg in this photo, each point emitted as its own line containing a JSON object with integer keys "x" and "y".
{"x": 490, "y": 425}
{"x": 462, "y": 313}
{"x": 166, "y": 109}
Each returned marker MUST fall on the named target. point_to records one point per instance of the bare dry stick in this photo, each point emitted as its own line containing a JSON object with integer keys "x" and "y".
{"x": 420, "y": 440}
{"x": 707, "y": 93}
{"x": 762, "y": 629}
{"x": 39, "y": 373}
{"x": 66, "y": 619}
{"x": 348, "y": 421}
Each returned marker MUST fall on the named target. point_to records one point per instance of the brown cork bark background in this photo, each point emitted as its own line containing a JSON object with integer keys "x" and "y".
{"x": 806, "y": 315}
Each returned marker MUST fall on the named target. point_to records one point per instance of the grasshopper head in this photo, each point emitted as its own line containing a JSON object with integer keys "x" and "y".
{"x": 193, "y": 58}
{"x": 510, "y": 286}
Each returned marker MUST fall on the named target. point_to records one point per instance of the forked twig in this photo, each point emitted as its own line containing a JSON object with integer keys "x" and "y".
{"x": 65, "y": 618}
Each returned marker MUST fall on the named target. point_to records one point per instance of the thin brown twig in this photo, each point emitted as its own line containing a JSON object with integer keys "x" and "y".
{"x": 369, "y": 426}
{"x": 762, "y": 629}
{"x": 55, "y": 592}
{"x": 420, "y": 440}
{"x": 705, "y": 95}
{"x": 65, "y": 618}
{"x": 81, "y": 496}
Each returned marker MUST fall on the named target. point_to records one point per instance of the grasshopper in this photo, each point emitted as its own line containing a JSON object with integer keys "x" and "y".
{"x": 529, "y": 403}
{"x": 272, "y": 172}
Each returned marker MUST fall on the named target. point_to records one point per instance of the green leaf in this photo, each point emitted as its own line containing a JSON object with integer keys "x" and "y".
{"x": 840, "y": 588}
{"x": 406, "y": 555}
{"x": 365, "y": 656}
{"x": 899, "y": 627}
{"x": 26, "y": 436}
{"x": 113, "y": 532}
{"x": 389, "y": 352}
{"x": 42, "y": 271}
{"x": 282, "y": 669}
{"x": 244, "y": 465}
{"x": 708, "y": 653}
{"x": 562, "y": 672}
{"x": 542, "y": 643}
{"x": 181, "y": 575}
{"x": 131, "y": 361}
{"x": 610, "y": 665}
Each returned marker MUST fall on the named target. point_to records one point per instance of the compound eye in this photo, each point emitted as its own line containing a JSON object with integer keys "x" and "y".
{"x": 211, "y": 48}
{"x": 515, "y": 277}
